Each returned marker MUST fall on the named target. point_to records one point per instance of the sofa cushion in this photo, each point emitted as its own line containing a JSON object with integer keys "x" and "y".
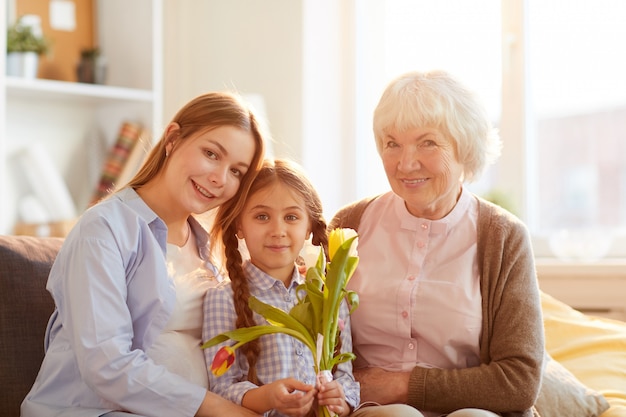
{"x": 25, "y": 307}
{"x": 562, "y": 394}
{"x": 592, "y": 348}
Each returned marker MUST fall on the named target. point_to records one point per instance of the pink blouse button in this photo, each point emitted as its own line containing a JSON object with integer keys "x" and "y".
{"x": 411, "y": 277}
{"x": 420, "y": 244}
{"x": 424, "y": 226}
{"x": 411, "y": 346}
{"x": 405, "y": 314}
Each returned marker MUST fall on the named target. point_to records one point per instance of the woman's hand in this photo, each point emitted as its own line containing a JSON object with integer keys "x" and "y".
{"x": 331, "y": 395}
{"x": 383, "y": 387}
{"x": 288, "y": 396}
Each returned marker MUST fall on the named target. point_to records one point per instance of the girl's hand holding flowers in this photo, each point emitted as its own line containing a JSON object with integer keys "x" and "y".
{"x": 331, "y": 397}
{"x": 288, "y": 396}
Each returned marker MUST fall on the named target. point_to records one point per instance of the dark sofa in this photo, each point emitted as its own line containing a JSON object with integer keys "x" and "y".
{"x": 25, "y": 307}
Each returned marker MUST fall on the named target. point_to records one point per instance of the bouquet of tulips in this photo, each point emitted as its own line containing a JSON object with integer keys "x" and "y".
{"x": 314, "y": 320}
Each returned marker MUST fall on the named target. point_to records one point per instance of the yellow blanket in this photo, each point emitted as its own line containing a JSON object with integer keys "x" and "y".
{"x": 591, "y": 348}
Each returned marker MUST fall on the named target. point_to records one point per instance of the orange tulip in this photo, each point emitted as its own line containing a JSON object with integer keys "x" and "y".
{"x": 222, "y": 360}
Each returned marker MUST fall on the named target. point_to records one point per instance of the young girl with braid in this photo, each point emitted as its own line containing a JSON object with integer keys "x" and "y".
{"x": 273, "y": 375}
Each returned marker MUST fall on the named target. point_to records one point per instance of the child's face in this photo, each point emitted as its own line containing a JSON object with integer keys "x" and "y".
{"x": 274, "y": 224}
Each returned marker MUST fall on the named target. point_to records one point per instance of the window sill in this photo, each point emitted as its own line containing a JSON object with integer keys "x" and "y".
{"x": 595, "y": 288}
{"x": 607, "y": 267}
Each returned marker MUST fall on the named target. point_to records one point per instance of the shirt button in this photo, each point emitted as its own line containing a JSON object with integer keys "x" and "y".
{"x": 299, "y": 352}
{"x": 411, "y": 346}
{"x": 424, "y": 226}
{"x": 420, "y": 244}
{"x": 287, "y": 298}
{"x": 411, "y": 277}
{"x": 405, "y": 314}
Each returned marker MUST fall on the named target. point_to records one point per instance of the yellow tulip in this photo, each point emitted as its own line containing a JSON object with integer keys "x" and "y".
{"x": 336, "y": 239}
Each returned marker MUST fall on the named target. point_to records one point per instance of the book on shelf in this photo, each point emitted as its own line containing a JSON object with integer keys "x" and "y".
{"x": 127, "y": 138}
{"x": 135, "y": 159}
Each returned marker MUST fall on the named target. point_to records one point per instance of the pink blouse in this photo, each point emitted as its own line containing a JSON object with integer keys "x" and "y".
{"x": 418, "y": 285}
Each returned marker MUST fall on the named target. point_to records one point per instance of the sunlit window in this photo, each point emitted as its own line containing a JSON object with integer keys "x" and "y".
{"x": 572, "y": 70}
{"x": 576, "y": 72}
{"x": 462, "y": 37}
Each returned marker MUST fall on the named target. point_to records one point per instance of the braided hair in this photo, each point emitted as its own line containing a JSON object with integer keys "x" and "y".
{"x": 279, "y": 171}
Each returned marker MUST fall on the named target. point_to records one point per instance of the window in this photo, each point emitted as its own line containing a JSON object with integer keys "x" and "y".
{"x": 577, "y": 116}
{"x": 561, "y": 106}
{"x": 460, "y": 36}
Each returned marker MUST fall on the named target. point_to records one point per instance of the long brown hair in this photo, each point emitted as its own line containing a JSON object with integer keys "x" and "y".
{"x": 203, "y": 113}
{"x": 280, "y": 171}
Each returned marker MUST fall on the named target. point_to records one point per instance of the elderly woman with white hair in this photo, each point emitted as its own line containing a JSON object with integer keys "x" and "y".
{"x": 449, "y": 320}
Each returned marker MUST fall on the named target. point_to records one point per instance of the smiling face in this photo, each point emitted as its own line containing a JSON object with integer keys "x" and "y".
{"x": 422, "y": 168}
{"x": 205, "y": 170}
{"x": 274, "y": 224}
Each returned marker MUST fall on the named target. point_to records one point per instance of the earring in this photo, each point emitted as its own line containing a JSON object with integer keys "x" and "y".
{"x": 168, "y": 148}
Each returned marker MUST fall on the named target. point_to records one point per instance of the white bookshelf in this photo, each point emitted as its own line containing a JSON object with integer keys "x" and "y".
{"x": 77, "y": 123}
{"x": 39, "y": 89}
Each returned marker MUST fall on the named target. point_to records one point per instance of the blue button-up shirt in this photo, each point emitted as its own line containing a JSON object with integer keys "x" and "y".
{"x": 113, "y": 297}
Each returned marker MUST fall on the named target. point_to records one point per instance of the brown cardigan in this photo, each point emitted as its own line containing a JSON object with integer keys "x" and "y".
{"x": 512, "y": 339}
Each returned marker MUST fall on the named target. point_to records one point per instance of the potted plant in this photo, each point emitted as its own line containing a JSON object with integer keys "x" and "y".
{"x": 24, "y": 46}
{"x": 92, "y": 67}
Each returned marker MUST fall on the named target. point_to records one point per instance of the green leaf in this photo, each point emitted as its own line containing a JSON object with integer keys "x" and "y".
{"x": 338, "y": 265}
{"x": 316, "y": 299}
{"x": 277, "y": 317}
{"x": 301, "y": 293}
{"x": 247, "y": 334}
{"x": 314, "y": 288}
{"x": 333, "y": 291}
{"x": 215, "y": 340}
{"x": 242, "y": 335}
{"x": 353, "y": 300}
{"x": 321, "y": 262}
{"x": 341, "y": 358}
{"x": 303, "y": 312}
{"x": 315, "y": 284}
{"x": 313, "y": 274}
{"x": 350, "y": 267}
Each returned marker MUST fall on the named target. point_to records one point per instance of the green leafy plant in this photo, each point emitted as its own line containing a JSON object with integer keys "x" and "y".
{"x": 20, "y": 38}
{"x": 314, "y": 320}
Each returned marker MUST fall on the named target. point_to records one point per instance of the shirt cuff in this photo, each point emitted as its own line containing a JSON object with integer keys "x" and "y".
{"x": 417, "y": 384}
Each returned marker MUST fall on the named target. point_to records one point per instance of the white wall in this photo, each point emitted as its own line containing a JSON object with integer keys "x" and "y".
{"x": 263, "y": 47}
{"x": 254, "y": 47}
